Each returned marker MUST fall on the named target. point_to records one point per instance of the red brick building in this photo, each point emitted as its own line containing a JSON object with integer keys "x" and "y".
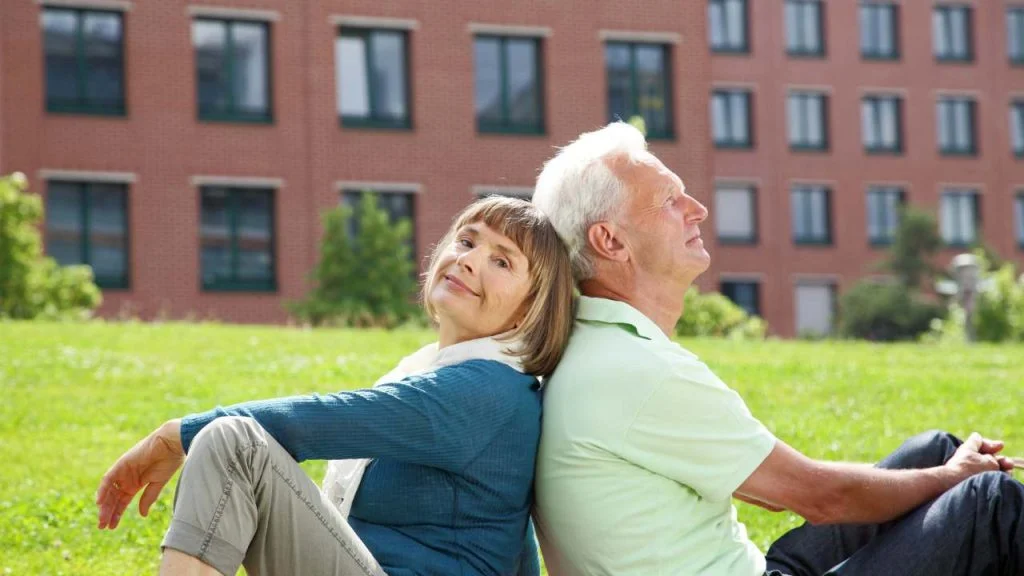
{"x": 186, "y": 149}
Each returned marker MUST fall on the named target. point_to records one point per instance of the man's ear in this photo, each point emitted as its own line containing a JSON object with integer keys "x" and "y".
{"x": 606, "y": 241}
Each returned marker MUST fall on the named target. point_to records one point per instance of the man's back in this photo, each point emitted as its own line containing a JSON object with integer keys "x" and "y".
{"x": 641, "y": 450}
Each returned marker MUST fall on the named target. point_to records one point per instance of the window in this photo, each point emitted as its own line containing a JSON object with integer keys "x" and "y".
{"x": 232, "y": 70}
{"x": 508, "y": 85}
{"x": 1017, "y": 127}
{"x": 951, "y": 33}
{"x": 812, "y": 219}
{"x": 881, "y": 122}
{"x": 398, "y": 206}
{"x": 727, "y": 26}
{"x": 808, "y": 121}
{"x": 879, "y": 24}
{"x": 237, "y": 239}
{"x": 1018, "y": 204}
{"x": 523, "y": 193}
{"x": 804, "y": 22}
{"x": 959, "y": 219}
{"x": 639, "y": 84}
{"x": 87, "y": 223}
{"x": 815, "y": 308}
{"x": 746, "y": 295}
{"x": 735, "y": 215}
{"x": 885, "y": 203}
{"x": 84, "y": 55}
{"x": 955, "y": 119}
{"x": 730, "y": 118}
{"x": 1015, "y": 34}
{"x": 372, "y": 78}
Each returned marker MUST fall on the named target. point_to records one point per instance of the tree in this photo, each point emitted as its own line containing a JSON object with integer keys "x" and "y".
{"x": 365, "y": 279}
{"x": 916, "y": 243}
{"x": 33, "y": 285}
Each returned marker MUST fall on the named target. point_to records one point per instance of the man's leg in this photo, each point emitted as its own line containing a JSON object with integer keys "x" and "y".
{"x": 812, "y": 550}
{"x": 242, "y": 499}
{"x": 974, "y": 529}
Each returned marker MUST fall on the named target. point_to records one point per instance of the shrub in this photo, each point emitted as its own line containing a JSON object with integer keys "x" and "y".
{"x": 712, "y": 314}
{"x": 365, "y": 280}
{"x": 885, "y": 312}
{"x": 33, "y": 285}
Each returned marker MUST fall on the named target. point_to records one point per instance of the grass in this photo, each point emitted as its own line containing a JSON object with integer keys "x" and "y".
{"x": 74, "y": 397}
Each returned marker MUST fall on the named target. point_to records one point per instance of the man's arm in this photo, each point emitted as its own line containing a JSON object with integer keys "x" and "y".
{"x": 833, "y": 493}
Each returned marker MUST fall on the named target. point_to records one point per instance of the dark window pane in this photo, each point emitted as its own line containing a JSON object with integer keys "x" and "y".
{"x": 104, "y": 81}
{"x": 521, "y": 63}
{"x": 397, "y": 205}
{"x": 255, "y": 236}
{"x": 210, "y": 41}
{"x": 388, "y": 73}
{"x": 620, "y": 82}
{"x": 108, "y": 232}
{"x": 652, "y": 87}
{"x": 1015, "y": 34}
{"x": 64, "y": 227}
{"x": 803, "y": 27}
{"x": 1019, "y": 219}
{"x": 744, "y": 295}
{"x": 60, "y": 37}
{"x": 249, "y": 67}
{"x": 810, "y": 213}
{"x": 1017, "y": 127}
{"x": 487, "y": 53}
{"x": 216, "y": 236}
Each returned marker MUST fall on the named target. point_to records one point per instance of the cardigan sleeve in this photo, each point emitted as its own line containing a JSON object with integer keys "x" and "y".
{"x": 443, "y": 418}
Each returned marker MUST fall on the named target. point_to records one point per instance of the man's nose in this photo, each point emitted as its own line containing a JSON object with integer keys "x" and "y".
{"x": 695, "y": 211}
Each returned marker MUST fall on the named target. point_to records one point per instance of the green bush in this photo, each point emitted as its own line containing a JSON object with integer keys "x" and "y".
{"x": 368, "y": 280}
{"x": 712, "y": 314}
{"x": 885, "y": 312}
{"x": 33, "y": 285}
{"x": 998, "y": 309}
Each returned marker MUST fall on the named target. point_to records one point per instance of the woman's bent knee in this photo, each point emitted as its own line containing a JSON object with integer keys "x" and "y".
{"x": 228, "y": 434}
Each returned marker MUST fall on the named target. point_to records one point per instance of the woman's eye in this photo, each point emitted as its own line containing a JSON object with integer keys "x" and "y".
{"x": 502, "y": 263}
{"x": 466, "y": 242}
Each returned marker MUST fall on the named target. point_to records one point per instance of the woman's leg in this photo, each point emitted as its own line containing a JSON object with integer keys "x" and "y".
{"x": 242, "y": 499}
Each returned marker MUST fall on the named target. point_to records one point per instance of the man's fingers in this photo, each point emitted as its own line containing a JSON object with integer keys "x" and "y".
{"x": 149, "y": 495}
{"x": 974, "y": 442}
{"x": 990, "y": 446}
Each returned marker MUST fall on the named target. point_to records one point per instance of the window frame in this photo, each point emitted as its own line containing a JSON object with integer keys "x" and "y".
{"x": 805, "y": 190}
{"x": 233, "y": 116}
{"x": 81, "y": 77}
{"x": 894, "y": 14}
{"x": 358, "y": 193}
{"x": 670, "y": 133}
{"x": 748, "y": 97}
{"x": 506, "y": 126}
{"x": 734, "y": 282}
{"x": 975, "y": 203}
{"x": 805, "y": 52}
{"x": 946, "y": 10}
{"x": 875, "y": 101}
{"x": 972, "y": 115}
{"x": 805, "y": 95}
{"x": 83, "y": 190}
{"x": 374, "y": 120}
{"x": 883, "y": 191}
{"x": 234, "y": 284}
{"x": 726, "y": 48}
{"x": 1015, "y": 13}
{"x": 1017, "y": 106}
{"x": 754, "y": 238}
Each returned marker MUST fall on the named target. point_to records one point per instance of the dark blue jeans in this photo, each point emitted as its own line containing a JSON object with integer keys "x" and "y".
{"x": 976, "y": 528}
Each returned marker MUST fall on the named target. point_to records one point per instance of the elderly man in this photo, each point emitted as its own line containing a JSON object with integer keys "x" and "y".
{"x": 643, "y": 447}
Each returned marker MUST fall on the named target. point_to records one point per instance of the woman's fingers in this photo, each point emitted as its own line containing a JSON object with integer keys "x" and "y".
{"x": 149, "y": 495}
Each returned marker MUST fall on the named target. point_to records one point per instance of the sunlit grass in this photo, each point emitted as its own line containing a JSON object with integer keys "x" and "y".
{"x": 74, "y": 397}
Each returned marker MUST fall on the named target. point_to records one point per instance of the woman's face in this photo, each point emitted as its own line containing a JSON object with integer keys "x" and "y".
{"x": 480, "y": 285}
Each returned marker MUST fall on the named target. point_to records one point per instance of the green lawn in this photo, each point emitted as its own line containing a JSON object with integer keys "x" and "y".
{"x": 73, "y": 397}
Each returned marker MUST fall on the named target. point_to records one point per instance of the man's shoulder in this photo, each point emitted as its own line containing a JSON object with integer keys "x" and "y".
{"x": 608, "y": 348}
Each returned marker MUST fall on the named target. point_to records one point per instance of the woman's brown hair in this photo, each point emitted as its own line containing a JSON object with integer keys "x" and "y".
{"x": 544, "y": 331}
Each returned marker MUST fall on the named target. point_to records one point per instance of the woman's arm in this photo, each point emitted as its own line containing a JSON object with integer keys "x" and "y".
{"x": 442, "y": 418}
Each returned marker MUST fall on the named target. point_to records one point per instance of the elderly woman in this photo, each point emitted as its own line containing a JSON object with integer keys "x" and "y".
{"x": 451, "y": 437}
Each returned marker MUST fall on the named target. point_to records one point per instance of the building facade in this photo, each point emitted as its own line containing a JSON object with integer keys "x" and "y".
{"x": 186, "y": 150}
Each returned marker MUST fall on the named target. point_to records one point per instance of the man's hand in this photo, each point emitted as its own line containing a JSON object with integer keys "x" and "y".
{"x": 149, "y": 464}
{"x": 977, "y": 455}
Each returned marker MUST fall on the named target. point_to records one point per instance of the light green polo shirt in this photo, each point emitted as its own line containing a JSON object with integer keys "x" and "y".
{"x": 641, "y": 449}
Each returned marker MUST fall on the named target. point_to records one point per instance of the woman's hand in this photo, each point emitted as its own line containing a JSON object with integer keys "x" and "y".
{"x": 149, "y": 464}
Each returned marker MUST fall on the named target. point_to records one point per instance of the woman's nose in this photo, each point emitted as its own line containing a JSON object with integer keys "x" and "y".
{"x": 467, "y": 260}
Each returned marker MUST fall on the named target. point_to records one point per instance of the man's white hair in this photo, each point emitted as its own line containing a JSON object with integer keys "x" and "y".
{"x": 577, "y": 188}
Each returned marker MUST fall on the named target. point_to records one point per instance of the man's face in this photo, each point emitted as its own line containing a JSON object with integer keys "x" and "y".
{"x": 662, "y": 221}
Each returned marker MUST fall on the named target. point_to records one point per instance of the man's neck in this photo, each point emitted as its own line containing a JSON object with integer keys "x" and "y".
{"x": 663, "y": 306}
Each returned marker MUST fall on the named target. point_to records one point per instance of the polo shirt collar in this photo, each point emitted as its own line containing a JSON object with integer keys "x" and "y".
{"x": 621, "y": 314}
